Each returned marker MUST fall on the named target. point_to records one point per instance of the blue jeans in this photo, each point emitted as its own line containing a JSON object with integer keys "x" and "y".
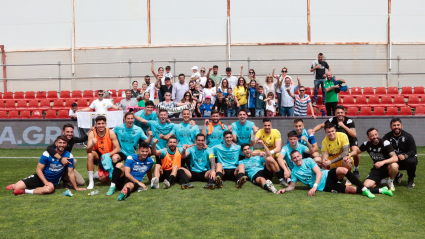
{"x": 242, "y": 107}
{"x": 287, "y": 111}
{"x": 279, "y": 96}
{"x": 317, "y": 83}
{"x": 231, "y": 113}
{"x": 160, "y": 96}
{"x": 259, "y": 112}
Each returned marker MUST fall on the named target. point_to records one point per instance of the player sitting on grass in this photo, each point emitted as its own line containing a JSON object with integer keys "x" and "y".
{"x": 307, "y": 171}
{"x": 48, "y": 173}
{"x": 135, "y": 169}
{"x": 168, "y": 163}
{"x": 254, "y": 166}
{"x": 201, "y": 168}
{"x": 227, "y": 157}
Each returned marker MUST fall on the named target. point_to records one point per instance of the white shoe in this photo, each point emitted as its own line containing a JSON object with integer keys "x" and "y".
{"x": 96, "y": 175}
{"x": 283, "y": 182}
{"x": 155, "y": 183}
{"x": 91, "y": 186}
{"x": 166, "y": 184}
{"x": 347, "y": 183}
{"x": 270, "y": 186}
{"x": 391, "y": 185}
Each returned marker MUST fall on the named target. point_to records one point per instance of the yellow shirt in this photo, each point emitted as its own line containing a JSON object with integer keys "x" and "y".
{"x": 334, "y": 148}
{"x": 241, "y": 94}
{"x": 269, "y": 139}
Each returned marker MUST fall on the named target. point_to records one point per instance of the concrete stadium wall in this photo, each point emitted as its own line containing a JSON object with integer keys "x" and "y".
{"x": 40, "y": 133}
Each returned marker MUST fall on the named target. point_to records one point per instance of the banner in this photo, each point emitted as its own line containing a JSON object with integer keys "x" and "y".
{"x": 86, "y": 120}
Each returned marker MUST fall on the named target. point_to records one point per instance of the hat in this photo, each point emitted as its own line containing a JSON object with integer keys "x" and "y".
{"x": 228, "y": 69}
{"x": 207, "y": 97}
{"x": 194, "y": 68}
{"x": 167, "y": 78}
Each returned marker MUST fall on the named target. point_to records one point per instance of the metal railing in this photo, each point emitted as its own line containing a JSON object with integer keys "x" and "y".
{"x": 174, "y": 61}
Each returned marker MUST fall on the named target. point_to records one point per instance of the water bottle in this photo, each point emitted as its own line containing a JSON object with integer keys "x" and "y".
{"x": 95, "y": 192}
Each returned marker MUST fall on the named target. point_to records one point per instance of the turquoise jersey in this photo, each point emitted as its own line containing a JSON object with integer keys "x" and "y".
{"x": 242, "y": 132}
{"x": 185, "y": 134}
{"x": 306, "y": 175}
{"x": 216, "y": 136}
{"x": 158, "y": 129}
{"x": 228, "y": 157}
{"x": 199, "y": 161}
{"x": 287, "y": 150}
{"x": 141, "y": 113}
{"x": 253, "y": 165}
{"x": 129, "y": 138}
{"x": 310, "y": 138}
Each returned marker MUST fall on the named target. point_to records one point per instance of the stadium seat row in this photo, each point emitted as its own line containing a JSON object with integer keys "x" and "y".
{"x": 384, "y": 101}
{"x": 406, "y": 91}
{"x": 36, "y": 114}
{"x": 377, "y": 111}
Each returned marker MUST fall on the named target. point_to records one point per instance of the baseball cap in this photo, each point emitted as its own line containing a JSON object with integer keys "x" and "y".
{"x": 207, "y": 97}
{"x": 194, "y": 68}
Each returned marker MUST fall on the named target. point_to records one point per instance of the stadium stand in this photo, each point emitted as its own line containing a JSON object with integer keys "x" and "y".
{"x": 21, "y": 105}
{"x": 413, "y": 101}
{"x": 29, "y": 95}
{"x": 374, "y": 101}
{"x": 114, "y": 93}
{"x": 37, "y": 114}
{"x": 1, "y": 95}
{"x": 18, "y": 95}
{"x": 51, "y": 114}
{"x": 33, "y": 104}
{"x": 399, "y": 101}
{"x": 45, "y": 105}
{"x": 65, "y": 94}
{"x": 41, "y": 95}
{"x": 58, "y": 104}
{"x": 365, "y": 111}
{"x": 52, "y": 95}
{"x": 88, "y": 94}
{"x": 3, "y": 115}
{"x": 348, "y": 101}
{"x": 82, "y": 103}
{"x": 2, "y": 105}
{"x": 386, "y": 101}
{"x": 10, "y": 105}
{"x": 379, "y": 111}
{"x": 418, "y": 90}
{"x": 392, "y": 111}
{"x": 76, "y": 94}
{"x": 368, "y": 91}
{"x": 68, "y": 103}
{"x": 25, "y": 115}
{"x": 13, "y": 114}
{"x": 406, "y": 111}
{"x": 8, "y": 95}
{"x": 361, "y": 101}
{"x": 352, "y": 111}
{"x": 393, "y": 91}
{"x": 356, "y": 91}
{"x": 63, "y": 114}
{"x": 380, "y": 91}
{"x": 420, "y": 110}
{"x": 406, "y": 91}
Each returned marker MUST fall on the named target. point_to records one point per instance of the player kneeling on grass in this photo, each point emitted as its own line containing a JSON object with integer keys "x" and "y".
{"x": 201, "y": 169}
{"x": 135, "y": 169}
{"x": 48, "y": 173}
{"x": 168, "y": 163}
{"x": 255, "y": 169}
{"x": 227, "y": 157}
{"x": 307, "y": 171}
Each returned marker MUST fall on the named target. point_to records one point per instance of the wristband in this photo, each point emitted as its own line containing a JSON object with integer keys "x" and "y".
{"x": 272, "y": 152}
{"x": 60, "y": 158}
{"x": 315, "y": 185}
{"x": 406, "y": 156}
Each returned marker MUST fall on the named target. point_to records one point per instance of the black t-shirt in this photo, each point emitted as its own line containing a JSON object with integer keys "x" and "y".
{"x": 221, "y": 106}
{"x": 164, "y": 89}
{"x": 347, "y": 122}
{"x": 378, "y": 152}
{"x": 134, "y": 94}
{"x": 321, "y": 71}
{"x": 51, "y": 148}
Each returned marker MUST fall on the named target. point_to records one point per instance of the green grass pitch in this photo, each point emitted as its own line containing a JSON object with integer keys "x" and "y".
{"x": 250, "y": 212}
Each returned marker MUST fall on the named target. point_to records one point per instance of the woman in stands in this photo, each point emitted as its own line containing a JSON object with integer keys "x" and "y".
{"x": 241, "y": 93}
{"x": 280, "y": 80}
{"x": 145, "y": 99}
{"x": 188, "y": 100}
{"x": 210, "y": 90}
{"x": 269, "y": 86}
{"x": 159, "y": 76}
{"x": 223, "y": 88}
{"x": 251, "y": 75}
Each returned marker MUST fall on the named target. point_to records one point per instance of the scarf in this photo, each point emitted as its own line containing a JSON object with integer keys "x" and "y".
{"x": 210, "y": 129}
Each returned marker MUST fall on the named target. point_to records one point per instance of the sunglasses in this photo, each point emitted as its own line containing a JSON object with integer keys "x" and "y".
{"x": 187, "y": 95}
{"x": 202, "y": 71}
{"x": 284, "y": 71}
{"x": 251, "y": 72}
{"x": 100, "y": 94}
{"x": 301, "y": 90}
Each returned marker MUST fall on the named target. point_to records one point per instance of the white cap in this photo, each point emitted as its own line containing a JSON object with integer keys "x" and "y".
{"x": 194, "y": 68}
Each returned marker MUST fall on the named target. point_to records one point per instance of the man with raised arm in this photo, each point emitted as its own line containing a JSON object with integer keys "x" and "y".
{"x": 214, "y": 130}
{"x": 243, "y": 129}
{"x": 271, "y": 137}
{"x": 147, "y": 114}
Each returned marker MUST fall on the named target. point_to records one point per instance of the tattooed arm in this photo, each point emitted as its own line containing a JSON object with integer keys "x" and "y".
{"x": 344, "y": 153}
{"x": 291, "y": 187}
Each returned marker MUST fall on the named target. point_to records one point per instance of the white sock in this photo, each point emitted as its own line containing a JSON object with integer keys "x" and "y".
{"x": 112, "y": 185}
{"x": 29, "y": 191}
{"x": 281, "y": 179}
{"x": 90, "y": 176}
{"x": 380, "y": 190}
{"x": 390, "y": 180}
{"x": 289, "y": 180}
{"x": 356, "y": 168}
{"x": 96, "y": 175}
{"x": 364, "y": 189}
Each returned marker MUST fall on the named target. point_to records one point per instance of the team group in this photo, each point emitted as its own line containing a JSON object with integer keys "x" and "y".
{"x": 225, "y": 153}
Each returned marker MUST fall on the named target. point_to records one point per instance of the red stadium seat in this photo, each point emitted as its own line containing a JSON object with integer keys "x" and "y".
{"x": 10, "y": 105}
{"x": 30, "y": 95}
{"x": 406, "y": 91}
{"x": 2, "y": 105}
{"x": 19, "y": 95}
{"x": 63, "y": 114}
{"x": 22, "y": 104}
{"x": 120, "y": 92}
{"x": 114, "y": 93}
{"x": 368, "y": 91}
{"x": 33, "y": 104}
{"x": 309, "y": 111}
{"x": 373, "y": 101}
{"x": 8, "y": 95}
{"x": 422, "y": 97}
{"x": 418, "y": 90}
{"x": 37, "y": 114}
{"x": 76, "y": 94}
{"x": 366, "y": 111}
{"x": 352, "y": 111}
{"x": 393, "y": 91}
{"x": 45, "y": 105}
{"x": 420, "y": 110}
{"x": 117, "y": 100}
{"x": 25, "y": 114}
{"x": 41, "y": 95}
{"x": 321, "y": 110}
{"x": 399, "y": 101}
{"x": 1, "y": 95}
{"x": 65, "y": 94}
{"x": 361, "y": 101}
{"x": 3, "y": 115}
{"x": 386, "y": 101}
{"x": 82, "y": 103}
{"x": 391, "y": 111}
{"x": 319, "y": 99}
{"x": 58, "y": 104}
{"x": 414, "y": 101}
{"x": 307, "y": 91}
{"x": 379, "y": 111}
{"x": 52, "y": 95}
{"x": 88, "y": 94}
{"x": 405, "y": 110}
{"x": 51, "y": 114}
{"x": 356, "y": 91}
{"x": 68, "y": 103}
{"x": 380, "y": 91}
{"x": 13, "y": 115}
{"x": 348, "y": 101}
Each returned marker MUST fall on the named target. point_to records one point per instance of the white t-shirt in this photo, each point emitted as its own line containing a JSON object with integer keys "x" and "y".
{"x": 151, "y": 90}
{"x": 101, "y": 106}
{"x": 233, "y": 81}
{"x": 203, "y": 81}
{"x": 71, "y": 113}
{"x": 169, "y": 75}
{"x": 196, "y": 74}
{"x": 209, "y": 92}
{"x": 270, "y": 105}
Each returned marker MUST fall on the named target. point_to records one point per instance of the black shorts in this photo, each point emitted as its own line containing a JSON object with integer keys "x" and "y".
{"x": 198, "y": 176}
{"x": 123, "y": 181}
{"x": 378, "y": 174}
{"x": 229, "y": 174}
{"x": 353, "y": 141}
{"x": 122, "y": 156}
{"x": 262, "y": 173}
{"x": 166, "y": 174}
{"x": 333, "y": 184}
{"x": 185, "y": 163}
{"x": 99, "y": 154}
{"x": 33, "y": 181}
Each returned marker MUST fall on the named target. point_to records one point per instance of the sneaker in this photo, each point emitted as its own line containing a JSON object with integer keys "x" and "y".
{"x": 18, "y": 192}
{"x": 90, "y": 186}
{"x": 270, "y": 186}
{"x": 284, "y": 183}
{"x": 314, "y": 104}
{"x": 10, "y": 187}
{"x": 241, "y": 182}
{"x": 187, "y": 186}
{"x": 368, "y": 193}
{"x": 356, "y": 173}
{"x": 155, "y": 183}
{"x": 110, "y": 191}
{"x": 166, "y": 184}
{"x": 96, "y": 175}
{"x": 209, "y": 186}
{"x": 399, "y": 177}
{"x": 410, "y": 184}
{"x": 391, "y": 185}
{"x": 385, "y": 191}
{"x": 219, "y": 182}
{"x": 347, "y": 183}
{"x": 122, "y": 195}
